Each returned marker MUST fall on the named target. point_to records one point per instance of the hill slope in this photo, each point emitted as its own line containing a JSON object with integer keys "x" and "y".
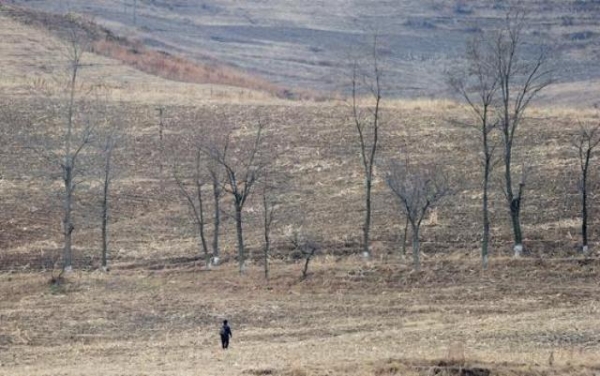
{"x": 306, "y": 44}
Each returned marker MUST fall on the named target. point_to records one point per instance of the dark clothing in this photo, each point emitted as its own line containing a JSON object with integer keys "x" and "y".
{"x": 225, "y": 335}
{"x": 225, "y": 341}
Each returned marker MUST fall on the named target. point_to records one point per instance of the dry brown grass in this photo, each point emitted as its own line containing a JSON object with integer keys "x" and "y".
{"x": 385, "y": 321}
{"x": 179, "y": 69}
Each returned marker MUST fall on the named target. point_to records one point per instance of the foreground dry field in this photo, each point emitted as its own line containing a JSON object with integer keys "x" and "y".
{"x": 523, "y": 317}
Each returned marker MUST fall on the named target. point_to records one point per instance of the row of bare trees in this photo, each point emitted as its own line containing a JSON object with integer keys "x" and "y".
{"x": 82, "y": 148}
{"x": 85, "y": 132}
{"x": 503, "y": 74}
{"x": 234, "y": 171}
{"x": 498, "y": 84}
{"x": 417, "y": 189}
{"x": 237, "y": 169}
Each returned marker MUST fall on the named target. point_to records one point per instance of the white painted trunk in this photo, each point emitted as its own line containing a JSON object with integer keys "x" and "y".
{"x": 518, "y": 249}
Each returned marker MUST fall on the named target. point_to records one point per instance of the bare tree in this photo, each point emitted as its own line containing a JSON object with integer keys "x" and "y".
{"x": 109, "y": 146}
{"x": 195, "y": 200}
{"x": 417, "y": 191}
{"x": 478, "y": 87}
{"x": 216, "y": 179}
{"x": 367, "y": 121}
{"x": 242, "y": 170}
{"x": 134, "y": 12}
{"x": 307, "y": 247}
{"x": 586, "y": 140}
{"x": 72, "y": 145}
{"x": 268, "y": 206}
{"x": 520, "y": 80}
{"x": 161, "y": 146}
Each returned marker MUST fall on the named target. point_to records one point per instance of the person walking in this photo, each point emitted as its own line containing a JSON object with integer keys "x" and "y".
{"x": 225, "y": 333}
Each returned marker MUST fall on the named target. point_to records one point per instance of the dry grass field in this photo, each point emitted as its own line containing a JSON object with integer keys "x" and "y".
{"x": 522, "y": 317}
{"x": 158, "y": 310}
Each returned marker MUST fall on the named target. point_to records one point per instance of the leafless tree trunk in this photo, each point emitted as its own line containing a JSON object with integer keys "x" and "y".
{"x": 161, "y": 145}
{"x": 367, "y": 121}
{"x": 108, "y": 151}
{"x": 195, "y": 201}
{"x": 417, "y": 191}
{"x": 405, "y": 236}
{"x": 519, "y": 82}
{"x": 241, "y": 174}
{"x": 478, "y": 87}
{"x": 72, "y": 147}
{"x": 217, "y": 186}
{"x": 268, "y": 211}
{"x": 134, "y": 12}
{"x": 306, "y": 245}
{"x": 586, "y": 141}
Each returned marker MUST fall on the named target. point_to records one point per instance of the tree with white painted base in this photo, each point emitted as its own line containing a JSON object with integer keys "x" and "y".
{"x": 585, "y": 142}
{"x": 243, "y": 166}
{"x": 366, "y": 117}
{"x": 520, "y": 80}
{"x": 478, "y": 87}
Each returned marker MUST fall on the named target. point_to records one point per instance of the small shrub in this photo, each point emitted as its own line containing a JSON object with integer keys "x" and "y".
{"x": 261, "y": 372}
{"x": 57, "y": 284}
{"x": 567, "y": 21}
{"x": 582, "y": 35}
{"x": 463, "y": 9}
{"x": 388, "y": 369}
{"x": 419, "y": 23}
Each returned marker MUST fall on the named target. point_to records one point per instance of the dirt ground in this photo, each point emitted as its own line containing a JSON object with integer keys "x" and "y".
{"x": 522, "y": 317}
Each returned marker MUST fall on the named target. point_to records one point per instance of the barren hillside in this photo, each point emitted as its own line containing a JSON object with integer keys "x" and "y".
{"x": 308, "y": 44}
